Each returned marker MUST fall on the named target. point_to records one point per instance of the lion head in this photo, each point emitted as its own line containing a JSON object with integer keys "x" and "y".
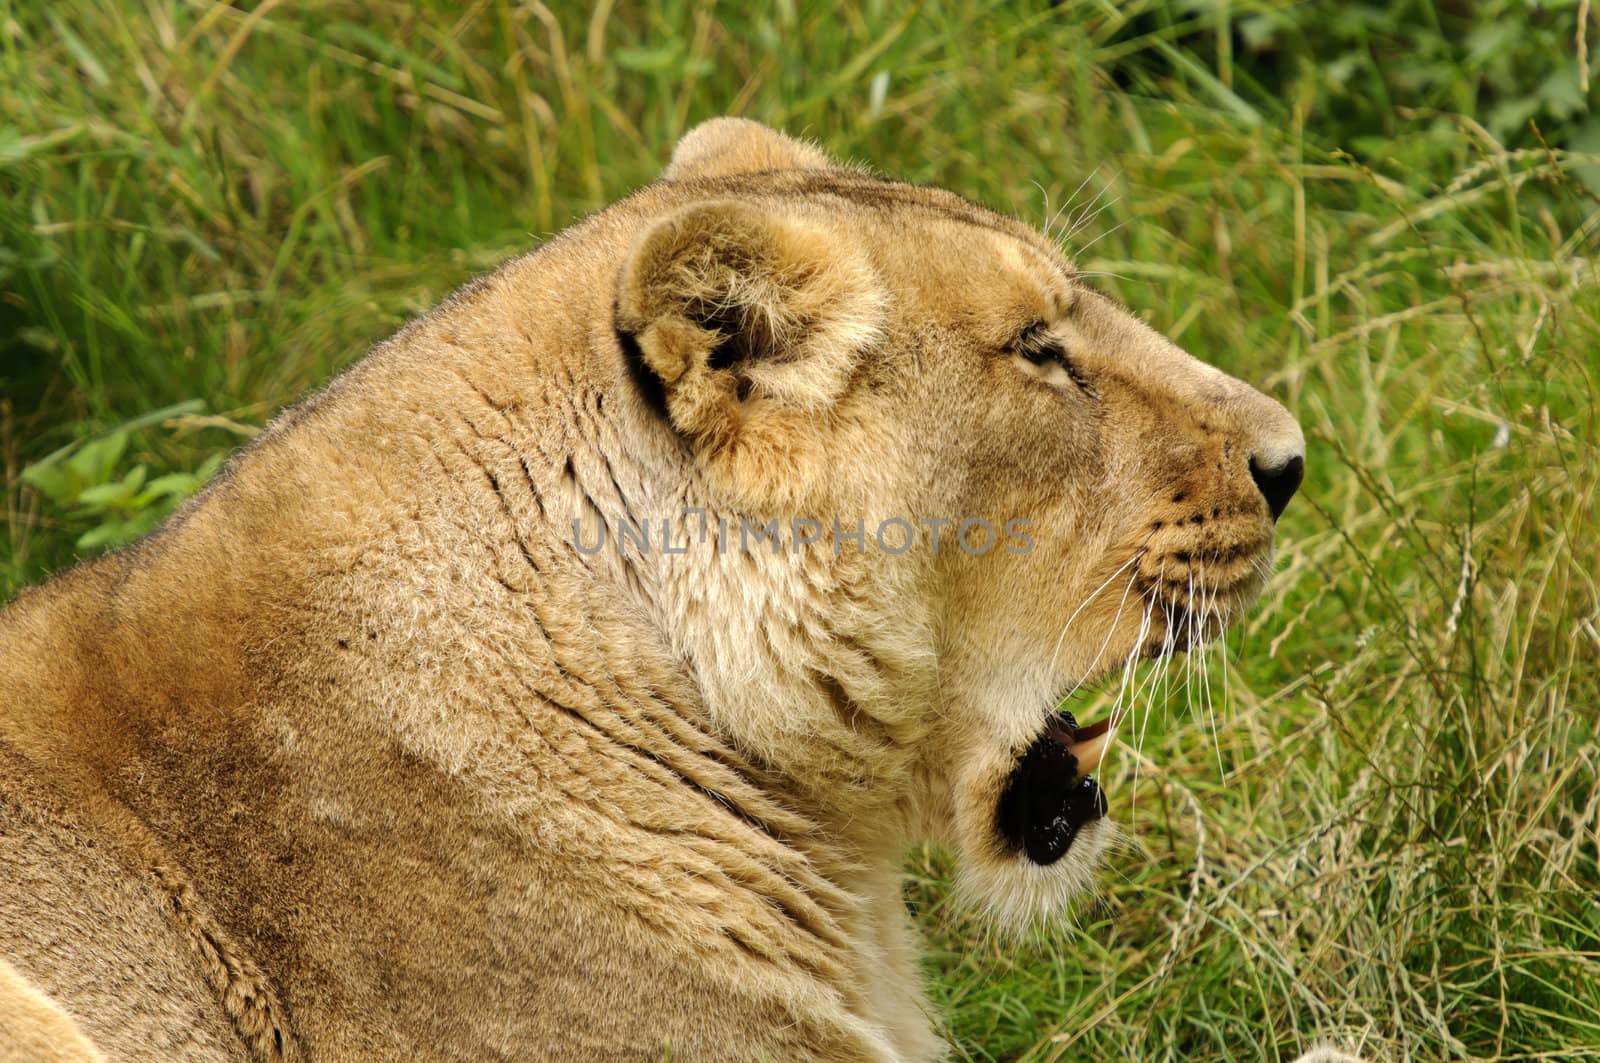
{"x": 977, "y": 486}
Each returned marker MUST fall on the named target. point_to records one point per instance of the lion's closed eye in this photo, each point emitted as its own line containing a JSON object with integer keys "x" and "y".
{"x": 1038, "y": 345}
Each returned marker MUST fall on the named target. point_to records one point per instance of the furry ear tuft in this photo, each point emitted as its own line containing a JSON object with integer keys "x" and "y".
{"x": 731, "y": 306}
{"x": 723, "y": 147}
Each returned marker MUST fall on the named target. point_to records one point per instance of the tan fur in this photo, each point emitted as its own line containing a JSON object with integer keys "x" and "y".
{"x": 33, "y": 1029}
{"x": 361, "y": 756}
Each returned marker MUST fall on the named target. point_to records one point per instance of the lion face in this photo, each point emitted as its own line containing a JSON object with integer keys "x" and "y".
{"x": 1151, "y": 483}
{"x": 1048, "y": 489}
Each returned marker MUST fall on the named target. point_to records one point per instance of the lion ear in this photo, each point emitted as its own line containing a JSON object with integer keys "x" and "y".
{"x": 730, "y": 311}
{"x": 723, "y": 147}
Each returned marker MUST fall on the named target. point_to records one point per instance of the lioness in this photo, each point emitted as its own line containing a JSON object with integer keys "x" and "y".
{"x": 569, "y": 678}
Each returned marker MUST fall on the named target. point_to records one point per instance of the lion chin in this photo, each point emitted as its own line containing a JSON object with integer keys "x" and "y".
{"x": 570, "y": 677}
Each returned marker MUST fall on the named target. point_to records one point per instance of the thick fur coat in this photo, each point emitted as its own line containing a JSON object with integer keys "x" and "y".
{"x": 371, "y": 753}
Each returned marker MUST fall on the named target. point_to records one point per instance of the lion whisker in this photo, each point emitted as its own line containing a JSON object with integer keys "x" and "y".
{"x": 1050, "y": 219}
{"x": 1227, "y": 703}
{"x": 1061, "y": 638}
{"x": 1084, "y": 249}
{"x": 1118, "y": 713}
{"x": 1205, "y": 664}
{"x": 1088, "y": 212}
{"x": 1142, "y": 727}
{"x": 1084, "y": 218}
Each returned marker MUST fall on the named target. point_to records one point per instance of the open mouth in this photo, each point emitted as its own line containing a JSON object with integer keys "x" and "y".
{"x": 1051, "y": 795}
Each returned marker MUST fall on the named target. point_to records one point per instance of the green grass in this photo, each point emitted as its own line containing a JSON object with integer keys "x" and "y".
{"x": 1381, "y": 213}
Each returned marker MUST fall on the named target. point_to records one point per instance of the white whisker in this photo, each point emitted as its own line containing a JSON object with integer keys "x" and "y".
{"x": 1117, "y": 711}
{"x": 1067, "y": 203}
{"x": 1211, "y": 713}
{"x": 1050, "y": 670}
{"x": 1089, "y": 212}
{"x": 1085, "y": 248}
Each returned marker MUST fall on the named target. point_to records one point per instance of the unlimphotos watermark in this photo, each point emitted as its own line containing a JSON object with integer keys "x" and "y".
{"x": 694, "y": 528}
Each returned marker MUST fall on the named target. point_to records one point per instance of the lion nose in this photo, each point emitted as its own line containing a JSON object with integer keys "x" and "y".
{"x": 1278, "y": 480}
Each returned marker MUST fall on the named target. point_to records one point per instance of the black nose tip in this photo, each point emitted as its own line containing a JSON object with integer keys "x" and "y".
{"x": 1278, "y": 483}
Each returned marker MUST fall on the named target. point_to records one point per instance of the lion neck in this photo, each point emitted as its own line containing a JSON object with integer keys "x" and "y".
{"x": 798, "y": 656}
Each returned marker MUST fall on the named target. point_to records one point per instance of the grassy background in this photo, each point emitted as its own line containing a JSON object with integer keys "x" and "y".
{"x": 1382, "y": 213}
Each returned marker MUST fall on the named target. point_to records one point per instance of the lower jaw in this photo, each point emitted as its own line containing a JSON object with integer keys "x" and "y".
{"x": 1047, "y": 801}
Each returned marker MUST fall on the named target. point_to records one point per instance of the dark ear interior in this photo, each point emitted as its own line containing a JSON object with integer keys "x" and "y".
{"x": 726, "y": 300}
{"x": 644, "y": 380}
{"x": 744, "y": 337}
{"x": 697, "y": 289}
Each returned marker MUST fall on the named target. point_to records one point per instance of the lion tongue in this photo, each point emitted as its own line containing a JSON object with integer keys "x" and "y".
{"x": 1086, "y": 744}
{"x": 1088, "y": 751}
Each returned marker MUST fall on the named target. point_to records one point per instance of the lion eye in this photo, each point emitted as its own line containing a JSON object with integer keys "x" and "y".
{"x": 1040, "y": 346}
{"x": 1037, "y": 345}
